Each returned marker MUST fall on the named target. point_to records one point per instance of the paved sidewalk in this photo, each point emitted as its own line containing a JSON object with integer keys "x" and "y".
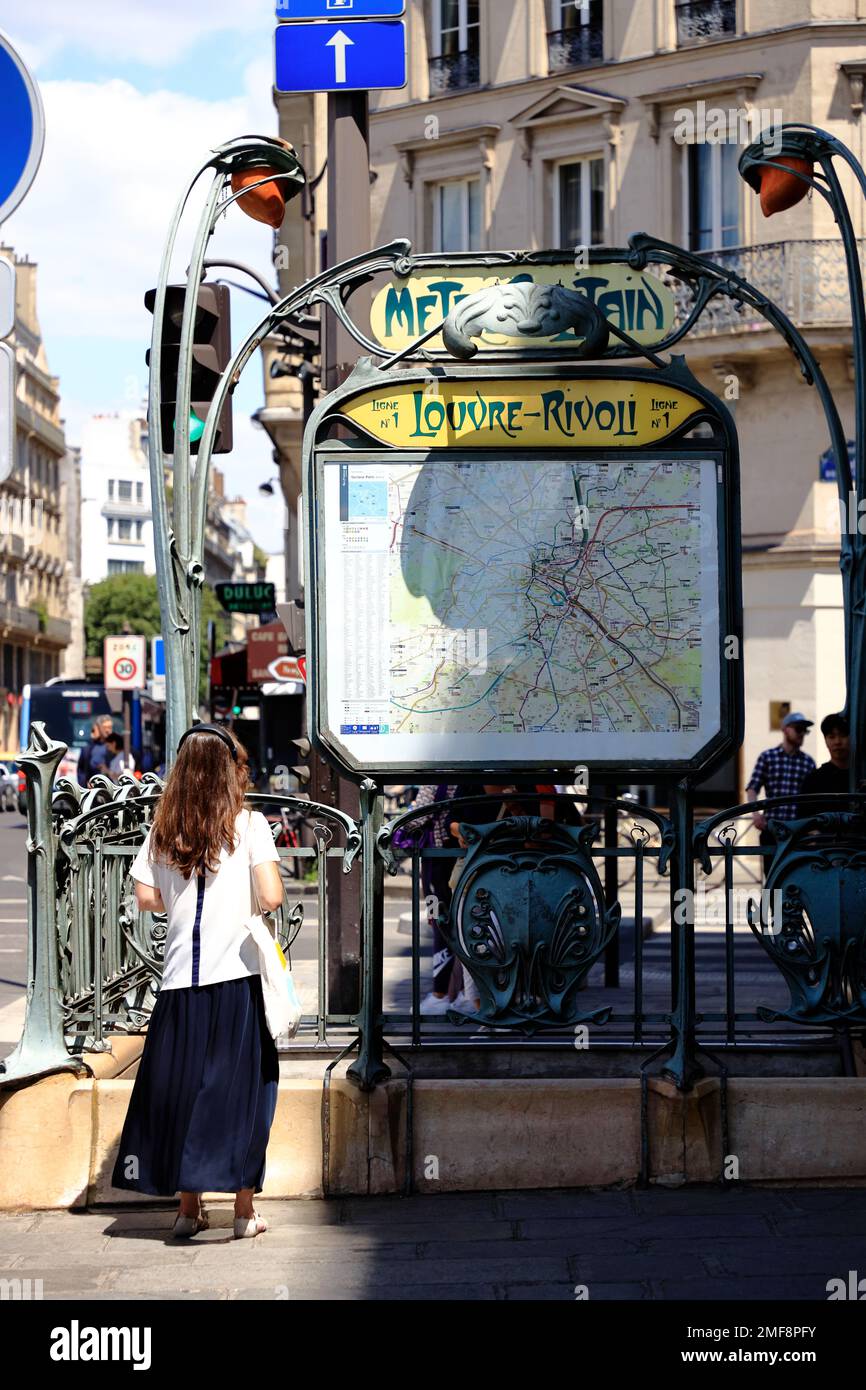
{"x": 697, "y": 1243}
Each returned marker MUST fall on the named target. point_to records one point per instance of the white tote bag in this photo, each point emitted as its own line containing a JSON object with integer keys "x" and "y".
{"x": 282, "y": 1005}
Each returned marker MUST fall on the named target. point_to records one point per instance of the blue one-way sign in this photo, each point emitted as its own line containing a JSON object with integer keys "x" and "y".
{"x": 22, "y": 129}
{"x": 340, "y": 9}
{"x": 341, "y": 57}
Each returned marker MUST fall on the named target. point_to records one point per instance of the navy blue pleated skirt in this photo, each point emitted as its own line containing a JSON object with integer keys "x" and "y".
{"x": 205, "y": 1094}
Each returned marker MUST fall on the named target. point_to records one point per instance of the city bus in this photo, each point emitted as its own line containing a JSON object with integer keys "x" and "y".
{"x": 67, "y": 709}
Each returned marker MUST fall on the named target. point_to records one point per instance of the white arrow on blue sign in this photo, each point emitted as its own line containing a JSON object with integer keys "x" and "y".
{"x": 340, "y": 9}
{"x": 22, "y": 129}
{"x": 341, "y": 58}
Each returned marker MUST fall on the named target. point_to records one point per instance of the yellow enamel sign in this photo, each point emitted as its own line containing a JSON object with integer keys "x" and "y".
{"x": 635, "y": 301}
{"x": 523, "y": 413}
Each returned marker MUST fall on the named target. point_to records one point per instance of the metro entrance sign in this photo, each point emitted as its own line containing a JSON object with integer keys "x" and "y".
{"x": 288, "y": 10}
{"x": 547, "y": 569}
{"x": 357, "y": 56}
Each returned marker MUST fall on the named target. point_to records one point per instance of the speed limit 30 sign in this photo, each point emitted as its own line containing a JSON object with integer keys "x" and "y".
{"x": 125, "y": 663}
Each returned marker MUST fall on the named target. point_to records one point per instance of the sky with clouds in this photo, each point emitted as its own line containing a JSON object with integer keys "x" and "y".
{"x": 136, "y": 94}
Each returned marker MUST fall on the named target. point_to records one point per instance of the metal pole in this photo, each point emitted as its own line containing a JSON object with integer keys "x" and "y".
{"x": 611, "y": 887}
{"x": 370, "y": 1068}
{"x": 857, "y": 617}
{"x": 349, "y": 234}
{"x": 683, "y": 1067}
{"x": 127, "y": 724}
{"x": 820, "y": 148}
{"x": 211, "y": 653}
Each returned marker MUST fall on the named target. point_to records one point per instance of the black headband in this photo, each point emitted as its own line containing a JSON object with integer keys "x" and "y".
{"x": 210, "y": 729}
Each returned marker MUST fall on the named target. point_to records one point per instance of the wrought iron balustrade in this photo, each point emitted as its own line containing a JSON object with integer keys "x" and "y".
{"x": 580, "y": 46}
{"x": 98, "y": 959}
{"x": 455, "y": 71}
{"x": 705, "y": 19}
{"x": 807, "y": 279}
{"x": 547, "y": 916}
{"x": 554, "y": 949}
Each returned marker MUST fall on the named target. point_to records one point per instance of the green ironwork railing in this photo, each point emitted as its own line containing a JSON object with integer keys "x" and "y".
{"x": 95, "y": 961}
{"x": 557, "y": 948}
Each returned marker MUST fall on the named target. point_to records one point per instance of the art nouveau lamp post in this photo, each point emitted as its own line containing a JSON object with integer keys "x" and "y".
{"x": 782, "y": 166}
{"x": 261, "y": 174}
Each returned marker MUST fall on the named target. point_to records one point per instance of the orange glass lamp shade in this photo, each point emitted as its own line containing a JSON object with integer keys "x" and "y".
{"x": 781, "y": 190}
{"x": 267, "y": 203}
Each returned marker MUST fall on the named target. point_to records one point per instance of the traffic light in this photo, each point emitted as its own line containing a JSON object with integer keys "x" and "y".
{"x": 299, "y": 770}
{"x": 211, "y": 354}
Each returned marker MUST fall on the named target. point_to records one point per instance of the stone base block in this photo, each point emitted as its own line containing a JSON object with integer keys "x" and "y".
{"x": 59, "y": 1136}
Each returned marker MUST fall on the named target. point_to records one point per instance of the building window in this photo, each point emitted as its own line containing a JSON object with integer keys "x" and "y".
{"x": 580, "y": 203}
{"x": 126, "y": 567}
{"x": 705, "y": 19}
{"x": 576, "y": 35}
{"x": 124, "y": 529}
{"x": 712, "y": 196}
{"x": 457, "y": 216}
{"x": 139, "y": 492}
{"x": 138, "y": 526}
{"x": 110, "y": 525}
{"x": 111, "y": 489}
{"x": 455, "y": 45}
{"x": 124, "y": 491}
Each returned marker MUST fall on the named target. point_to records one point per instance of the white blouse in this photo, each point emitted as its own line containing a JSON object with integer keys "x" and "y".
{"x": 207, "y": 938}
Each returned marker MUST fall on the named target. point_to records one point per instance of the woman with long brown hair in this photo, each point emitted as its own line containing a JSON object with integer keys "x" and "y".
{"x": 205, "y": 1093}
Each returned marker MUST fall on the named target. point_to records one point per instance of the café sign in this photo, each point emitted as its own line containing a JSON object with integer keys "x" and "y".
{"x": 635, "y": 301}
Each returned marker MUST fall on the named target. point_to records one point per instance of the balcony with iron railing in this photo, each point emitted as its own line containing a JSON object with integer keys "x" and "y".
{"x": 58, "y": 630}
{"x": 17, "y": 620}
{"x": 455, "y": 72}
{"x": 578, "y": 47}
{"x": 807, "y": 279}
{"x": 700, "y": 20}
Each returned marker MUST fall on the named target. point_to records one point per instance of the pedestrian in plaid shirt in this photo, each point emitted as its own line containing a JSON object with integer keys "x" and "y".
{"x": 781, "y": 771}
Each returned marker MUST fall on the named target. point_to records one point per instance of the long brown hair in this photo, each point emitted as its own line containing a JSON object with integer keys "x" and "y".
{"x": 195, "y": 816}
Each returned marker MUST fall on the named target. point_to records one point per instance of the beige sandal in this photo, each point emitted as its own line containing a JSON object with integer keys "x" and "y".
{"x": 254, "y": 1225}
{"x": 191, "y": 1225}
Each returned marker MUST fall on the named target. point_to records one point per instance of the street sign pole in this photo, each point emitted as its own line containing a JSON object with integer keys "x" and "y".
{"x": 349, "y": 234}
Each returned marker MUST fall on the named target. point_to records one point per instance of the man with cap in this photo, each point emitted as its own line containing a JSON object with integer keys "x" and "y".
{"x": 780, "y": 771}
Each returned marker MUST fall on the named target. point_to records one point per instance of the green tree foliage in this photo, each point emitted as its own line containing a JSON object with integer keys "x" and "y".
{"x": 131, "y": 601}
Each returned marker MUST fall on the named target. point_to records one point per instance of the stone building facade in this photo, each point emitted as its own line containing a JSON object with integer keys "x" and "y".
{"x": 39, "y": 618}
